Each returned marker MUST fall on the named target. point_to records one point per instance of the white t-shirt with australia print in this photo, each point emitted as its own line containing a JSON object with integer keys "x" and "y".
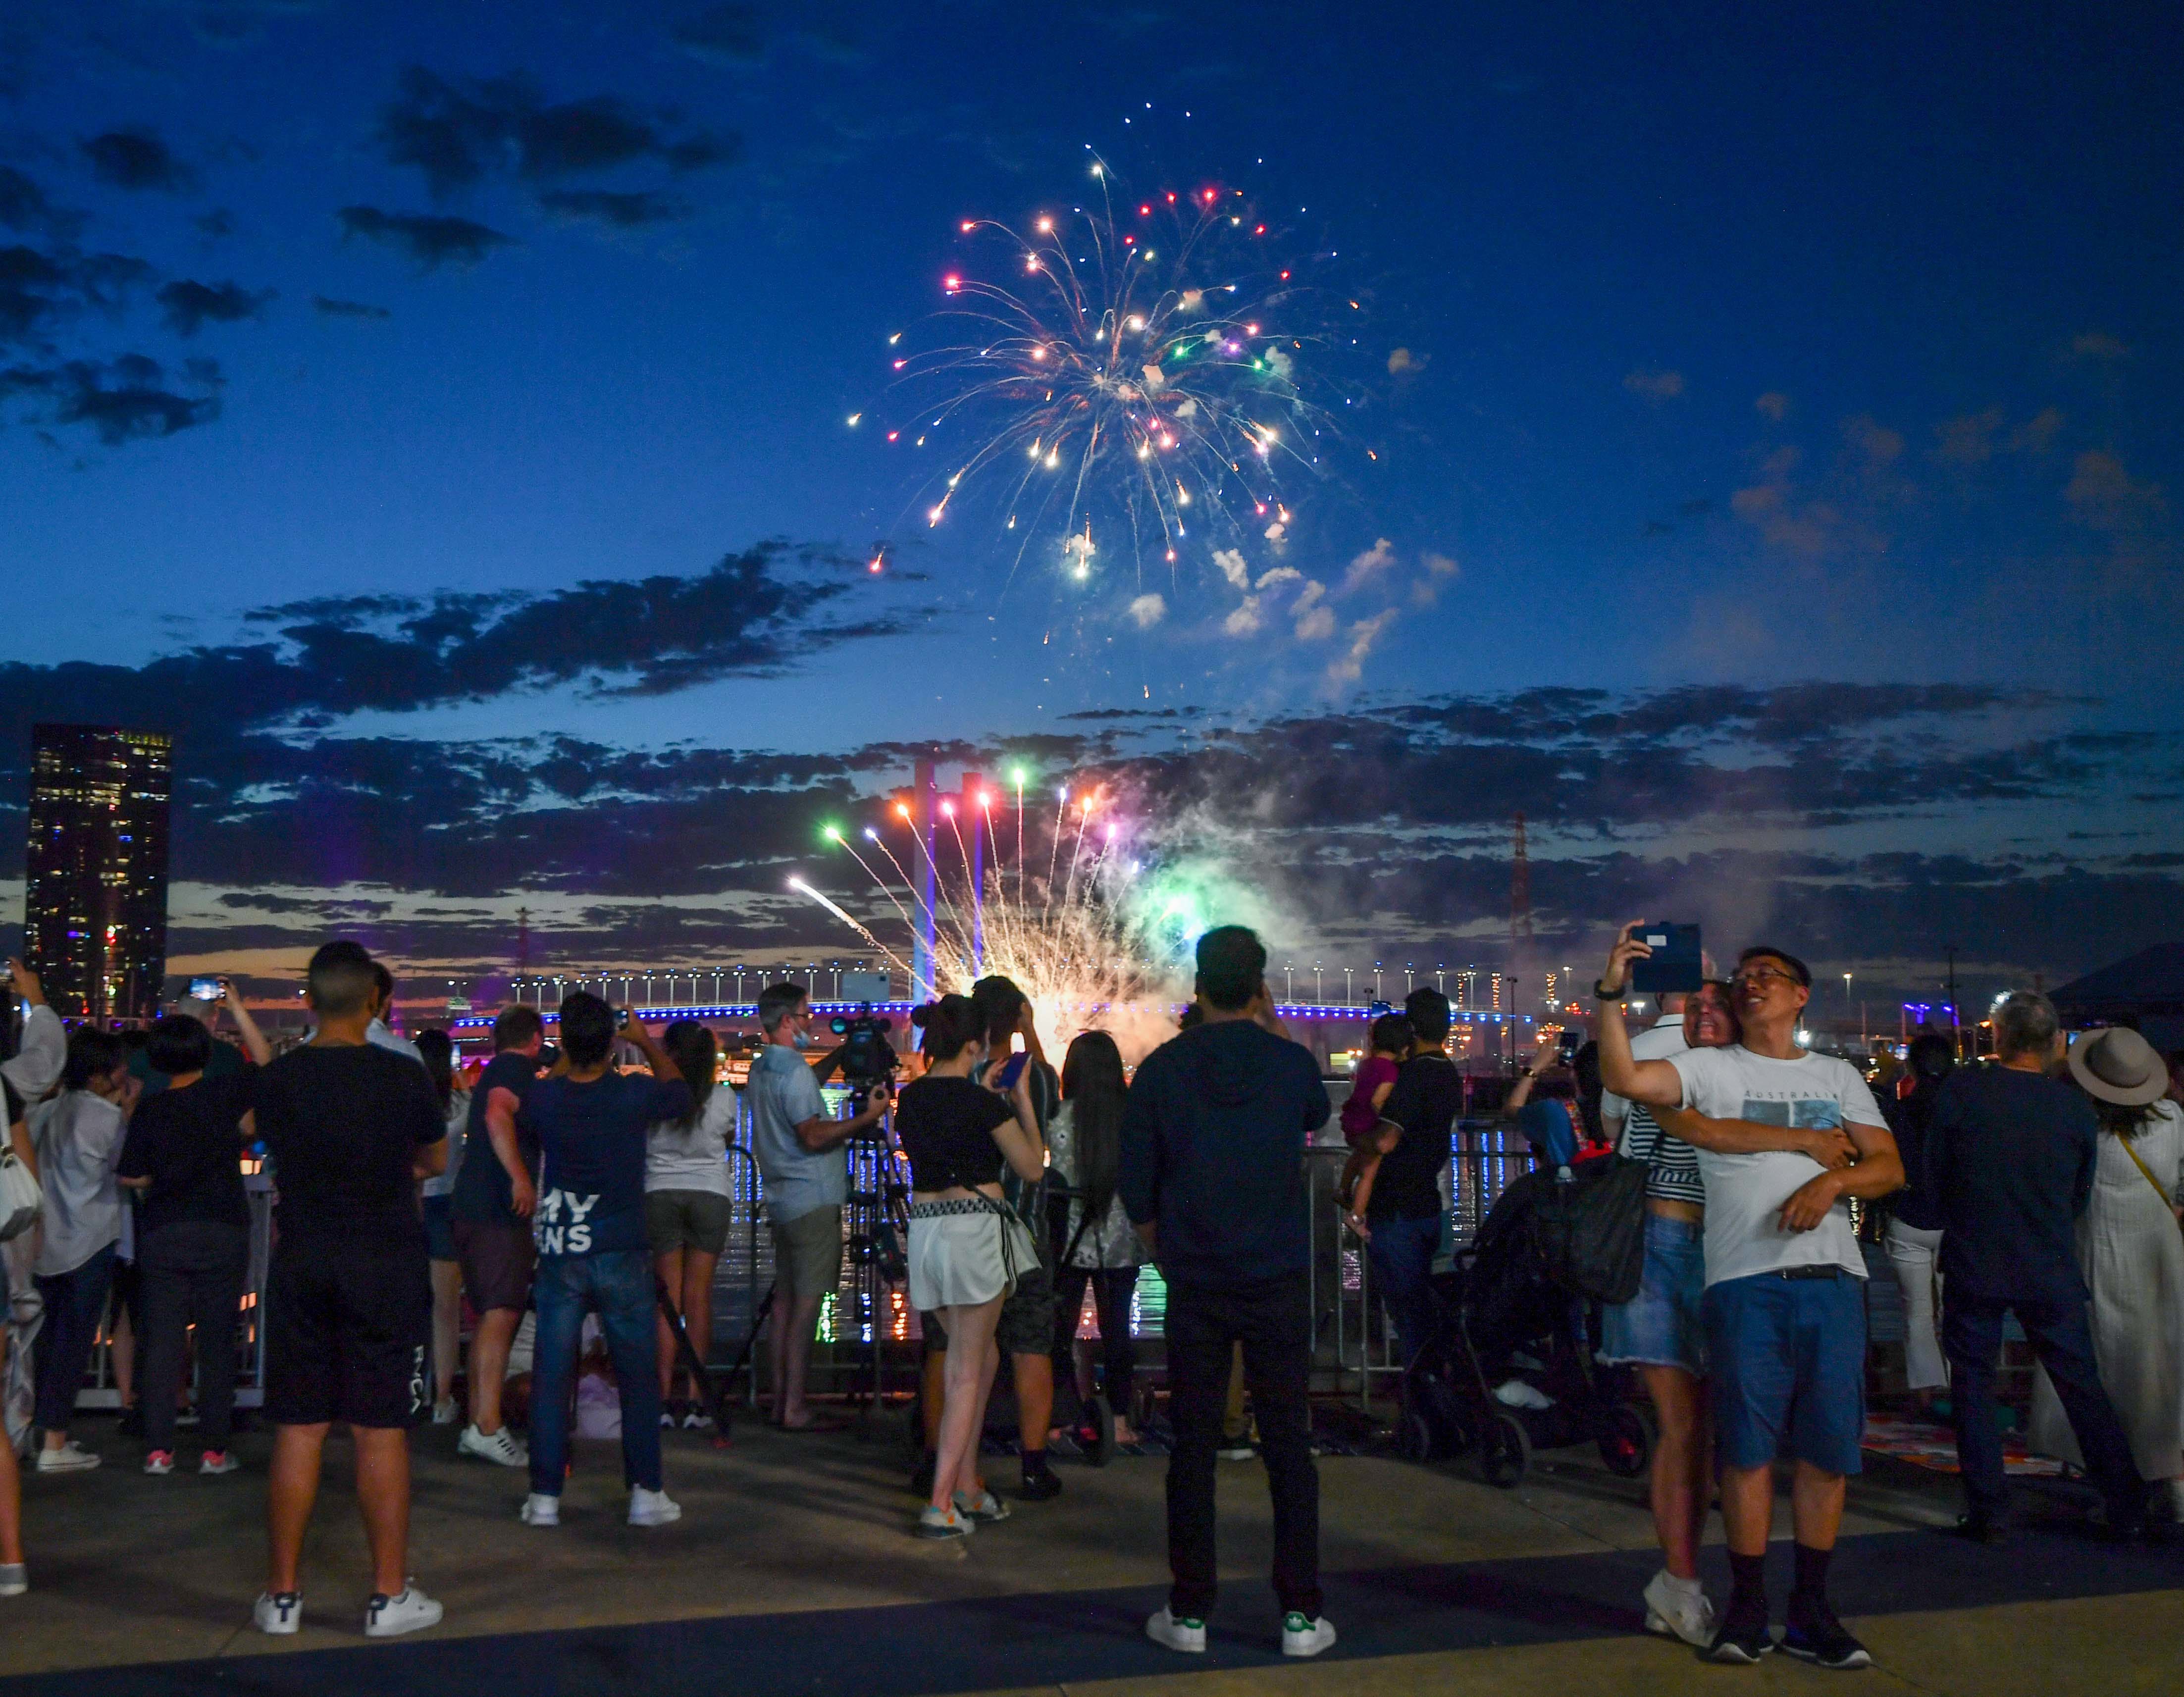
{"x": 1745, "y": 1193}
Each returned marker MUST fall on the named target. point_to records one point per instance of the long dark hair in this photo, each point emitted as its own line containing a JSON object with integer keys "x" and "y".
{"x": 948, "y": 1024}
{"x": 437, "y": 1050}
{"x": 2126, "y": 1119}
{"x": 1093, "y": 1084}
{"x": 697, "y": 1056}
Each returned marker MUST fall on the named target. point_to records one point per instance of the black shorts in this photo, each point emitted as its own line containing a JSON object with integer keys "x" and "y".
{"x": 347, "y": 1325}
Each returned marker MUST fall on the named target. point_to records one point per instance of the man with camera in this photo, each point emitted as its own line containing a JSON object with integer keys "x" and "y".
{"x": 1784, "y": 1136}
{"x": 798, "y": 1147}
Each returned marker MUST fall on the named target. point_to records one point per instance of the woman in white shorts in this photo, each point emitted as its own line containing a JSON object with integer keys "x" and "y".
{"x": 966, "y": 1245}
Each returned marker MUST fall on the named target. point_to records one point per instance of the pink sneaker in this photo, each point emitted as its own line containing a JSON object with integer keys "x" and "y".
{"x": 159, "y": 1461}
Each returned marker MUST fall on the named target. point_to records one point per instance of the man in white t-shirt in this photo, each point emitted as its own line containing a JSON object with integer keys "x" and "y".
{"x": 1784, "y": 1306}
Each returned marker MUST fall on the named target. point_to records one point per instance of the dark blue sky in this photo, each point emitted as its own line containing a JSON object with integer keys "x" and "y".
{"x": 1744, "y": 347}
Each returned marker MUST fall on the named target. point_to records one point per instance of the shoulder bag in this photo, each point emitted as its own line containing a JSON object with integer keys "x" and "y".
{"x": 20, "y": 1198}
{"x": 2167, "y": 1200}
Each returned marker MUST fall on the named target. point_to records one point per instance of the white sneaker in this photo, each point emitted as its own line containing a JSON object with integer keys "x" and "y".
{"x": 1240, "y": 1451}
{"x": 444, "y": 1413}
{"x": 984, "y": 1507}
{"x": 278, "y": 1613}
{"x": 1675, "y": 1611}
{"x": 214, "y": 1462}
{"x": 541, "y": 1509}
{"x": 498, "y": 1447}
{"x": 409, "y": 1610}
{"x": 652, "y": 1508}
{"x": 1186, "y": 1635}
{"x": 71, "y": 1458}
{"x": 15, "y": 1579}
{"x": 932, "y": 1523}
{"x": 1305, "y": 1634}
{"x": 159, "y": 1463}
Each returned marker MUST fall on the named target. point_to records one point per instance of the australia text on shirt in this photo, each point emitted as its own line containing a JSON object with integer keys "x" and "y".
{"x": 1800, "y": 1110}
{"x": 562, "y": 1223}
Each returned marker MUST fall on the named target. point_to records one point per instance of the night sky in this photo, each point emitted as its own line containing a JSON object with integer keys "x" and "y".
{"x": 1753, "y": 452}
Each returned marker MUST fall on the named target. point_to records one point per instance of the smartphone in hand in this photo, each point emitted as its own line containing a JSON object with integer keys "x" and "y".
{"x": 1012, "y": 1070}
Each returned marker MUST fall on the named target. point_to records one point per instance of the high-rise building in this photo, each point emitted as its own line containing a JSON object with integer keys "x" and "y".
{"x": 95, "y": 898}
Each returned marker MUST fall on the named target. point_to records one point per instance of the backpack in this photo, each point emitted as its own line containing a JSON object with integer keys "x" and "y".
{"x": 1588, "y": 1227}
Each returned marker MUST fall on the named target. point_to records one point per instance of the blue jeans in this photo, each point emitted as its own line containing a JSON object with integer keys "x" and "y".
{"x": 618, "y": 1284}
{"x": 1401, "y": 1254}
{"x": 73, "y": 1301}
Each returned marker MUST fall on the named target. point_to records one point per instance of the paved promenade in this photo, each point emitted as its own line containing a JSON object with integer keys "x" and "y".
{"x": 792, "y": 1571}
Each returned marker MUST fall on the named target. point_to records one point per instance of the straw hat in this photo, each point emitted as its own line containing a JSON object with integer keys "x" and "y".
{"x": 2119, "y": 1066}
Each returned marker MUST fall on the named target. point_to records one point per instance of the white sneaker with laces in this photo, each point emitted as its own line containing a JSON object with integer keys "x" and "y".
{"x": 71, "y": 1458}
{"x": 541, "y": 1509}
{"x": 1186, "y": 1635}
{"x": 1678, "y": 1611}
{"x": 500, "y": 1447}
{"x": 652, "y": 1508}
{"x": 985, "y": 1506}
{"x": 1305, "y": 1634}
{"x": 409, "y": 1610}
{"x": 278, "y": 1612}
{"x": 444, "y": 1413}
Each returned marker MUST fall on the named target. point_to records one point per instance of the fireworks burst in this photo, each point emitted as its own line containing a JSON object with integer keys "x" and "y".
{"x": 1093, "y": 937}
{"x": 1132, "y": 385}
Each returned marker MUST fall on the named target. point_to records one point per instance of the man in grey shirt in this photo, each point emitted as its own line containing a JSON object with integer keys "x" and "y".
{"x": 798, "y": 1151}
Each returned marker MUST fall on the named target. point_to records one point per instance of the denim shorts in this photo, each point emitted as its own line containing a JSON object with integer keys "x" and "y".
{"x": 1660, "y": 1326}
{"x": 1789, "y": 1369}
{"x": 440, "y": 1227}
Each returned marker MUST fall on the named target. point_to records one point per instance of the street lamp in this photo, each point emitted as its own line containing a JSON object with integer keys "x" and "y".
{"x": 1349, "y": 988}
{"x": 1318, "y": 996}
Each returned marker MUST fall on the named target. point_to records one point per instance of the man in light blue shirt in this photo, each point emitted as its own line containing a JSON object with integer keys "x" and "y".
{"x": 798, "y": 1151}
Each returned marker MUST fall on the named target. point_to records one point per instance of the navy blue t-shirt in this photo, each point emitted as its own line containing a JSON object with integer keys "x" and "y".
{"x": 483, "y": 1191}
{"x": 591, "y": 1140}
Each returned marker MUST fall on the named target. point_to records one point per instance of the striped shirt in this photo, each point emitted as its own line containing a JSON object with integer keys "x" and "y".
{"x": 1672, "y": 1164}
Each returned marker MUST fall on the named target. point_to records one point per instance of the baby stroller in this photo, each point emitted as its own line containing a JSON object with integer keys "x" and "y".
{"x": 1510, "y": 1368}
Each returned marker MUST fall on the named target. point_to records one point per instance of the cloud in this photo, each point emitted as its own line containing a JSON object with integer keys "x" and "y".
{"x": 1314, "y": 624}
{"x": 621, "y": 211}
{"x": 457, "y": 137}
{"x": 1879, "y": 443}
{"x": 1246, "y": 620}
{"x": 123, "y": 400}
{"x": 2037, "y": 434}
{"x": 1773, "y": 404}
{"x": 1278, "y": 535}
{"x": 1439, "y": 570}
{"x": 1233, "y": 566}
{"x": 1280, "y": 573}
{"x": 213, "y": 225}
{"x": 1147, "y": 611}
{"x": 431, "y": 240}
{"x": 1363, "y": 635}
{"x": 329, "y": 307}
{"x": 1968, "y": 440}
{"x": 2106, "y": 497}
{"x": 1402, "y": 363}
{"x": 23, "y": 207}
{"x": 1654, "y": 386}
{"x": 725, "y": 33}
{"x": 1369, "y": 565}
{"x": 136, "y": 160}
{"x": 191, "y": 305}
{"x": 2098, "y": 344}
{"x": 40, "y": 290}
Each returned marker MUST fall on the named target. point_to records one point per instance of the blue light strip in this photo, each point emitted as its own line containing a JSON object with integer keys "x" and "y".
{"x": 749, "y": 1011}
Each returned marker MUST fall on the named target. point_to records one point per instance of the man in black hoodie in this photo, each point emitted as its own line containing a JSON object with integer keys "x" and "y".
{"x": 1211, "y": 1172}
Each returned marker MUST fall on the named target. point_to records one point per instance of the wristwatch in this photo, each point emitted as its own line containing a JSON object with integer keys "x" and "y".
{"x": 1601, "y": 993}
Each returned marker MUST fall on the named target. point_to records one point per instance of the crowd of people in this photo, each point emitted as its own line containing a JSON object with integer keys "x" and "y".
{"x": 558, "y": 1191}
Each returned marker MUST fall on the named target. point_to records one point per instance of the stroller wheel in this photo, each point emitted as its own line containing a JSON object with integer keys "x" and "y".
{"x": 1505, "y": 1451}
{"x": 1414, "y": 1434}
{"x": 1098, "y": 1426}
{"x": 1626, "y": 1447}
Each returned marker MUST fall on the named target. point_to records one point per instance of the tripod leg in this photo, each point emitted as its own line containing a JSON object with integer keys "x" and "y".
{"x": 716, "y": 1401}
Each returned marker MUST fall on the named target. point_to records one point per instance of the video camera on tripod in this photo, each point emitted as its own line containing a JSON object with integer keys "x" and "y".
{"x": 865, "y": 1057}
